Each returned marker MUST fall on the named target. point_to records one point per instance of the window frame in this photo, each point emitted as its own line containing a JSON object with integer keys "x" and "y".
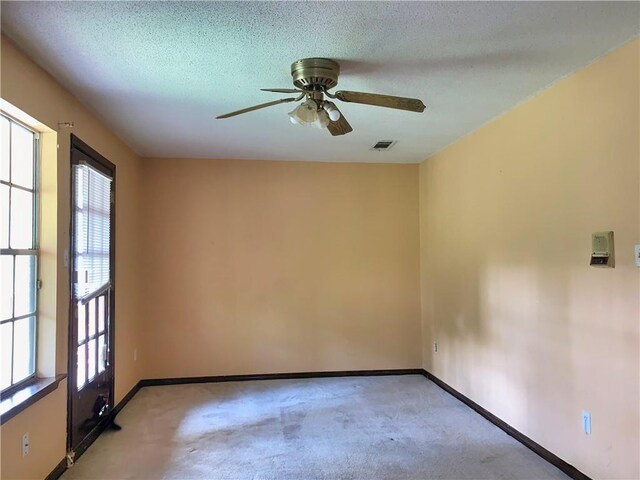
{"x": 34, "y": 251}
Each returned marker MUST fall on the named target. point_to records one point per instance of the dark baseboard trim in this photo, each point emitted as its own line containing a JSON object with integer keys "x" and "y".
{"x": 154, "y": 382}
{"x": 126, "y": 399}
{"x": 95, "y": 433}
{"x": 57, "y": 472}
{"x": 550, "y": 457}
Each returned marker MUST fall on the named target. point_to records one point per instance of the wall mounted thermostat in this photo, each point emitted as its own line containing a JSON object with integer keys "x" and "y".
{"x": 602, "y": 254}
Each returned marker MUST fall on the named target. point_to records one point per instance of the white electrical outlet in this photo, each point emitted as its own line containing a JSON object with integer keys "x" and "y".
{"x": 25, "y": 444}
{"x": 586, "y": 422}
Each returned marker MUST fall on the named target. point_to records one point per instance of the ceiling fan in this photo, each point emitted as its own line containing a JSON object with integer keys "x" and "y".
{"x": 314, "y": 77}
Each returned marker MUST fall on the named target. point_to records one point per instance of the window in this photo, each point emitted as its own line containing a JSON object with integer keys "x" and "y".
{"x": 18, "y": 253}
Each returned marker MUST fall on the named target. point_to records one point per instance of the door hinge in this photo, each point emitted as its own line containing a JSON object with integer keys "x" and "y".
{"x": 39, "y": 284}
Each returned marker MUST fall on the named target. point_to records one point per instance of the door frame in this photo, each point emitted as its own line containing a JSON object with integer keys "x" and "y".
{"x": 99, "y": 162}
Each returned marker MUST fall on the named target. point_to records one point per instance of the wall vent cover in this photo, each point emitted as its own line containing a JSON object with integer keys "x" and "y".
{"x": 383, "y": 145}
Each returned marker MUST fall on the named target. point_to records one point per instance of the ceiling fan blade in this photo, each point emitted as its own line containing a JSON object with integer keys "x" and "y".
{"x": 281, "y": 90}
{"x": 257, "y": 107}
{"x": 339, "y": 127}
{"x": 388, "y": 101}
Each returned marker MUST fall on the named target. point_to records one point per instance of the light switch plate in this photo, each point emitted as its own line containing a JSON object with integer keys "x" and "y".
{"x": 602, "y": 250}
{"x": 637, "y": 255}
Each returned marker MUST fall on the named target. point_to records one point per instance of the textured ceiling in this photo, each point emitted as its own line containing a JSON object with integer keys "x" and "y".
{"x": 159, "y": 72}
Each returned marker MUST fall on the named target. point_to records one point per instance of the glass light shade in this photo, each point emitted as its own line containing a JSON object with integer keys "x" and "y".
{"x": 306, "y": 113}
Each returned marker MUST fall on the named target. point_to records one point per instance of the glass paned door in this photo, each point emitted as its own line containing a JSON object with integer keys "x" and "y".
{"x": 92, "y": 292}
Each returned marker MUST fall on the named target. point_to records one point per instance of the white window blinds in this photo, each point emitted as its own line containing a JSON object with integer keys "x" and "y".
{"x": 92, "y": 217}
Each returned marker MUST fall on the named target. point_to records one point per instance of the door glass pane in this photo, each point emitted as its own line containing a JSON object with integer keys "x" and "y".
{"x": 4, "y": 161}
{"x": 5, "y": 354}
{"x": 4, "y": 216}
{"x": 21, "y": 219}
{"x": 92, "y": 229}
{"x": 101, "y": 313}
{"x": 21, "y": 156}
{"x": 92, "y": 317}
{"x": 102, "y": 354}
{"x": 23, "y": 352}
{"x": 6, "y": 286}
{"x": 25, "y": 291}
{"x": 82, "y": 362}
{"x": 81, "y": 323}
{"x": 92, "y": 359}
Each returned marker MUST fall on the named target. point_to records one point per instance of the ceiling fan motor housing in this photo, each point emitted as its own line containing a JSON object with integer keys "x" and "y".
{"x": 315, "y": 73}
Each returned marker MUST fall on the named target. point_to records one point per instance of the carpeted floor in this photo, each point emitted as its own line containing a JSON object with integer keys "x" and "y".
{"x": 396, "y": 427}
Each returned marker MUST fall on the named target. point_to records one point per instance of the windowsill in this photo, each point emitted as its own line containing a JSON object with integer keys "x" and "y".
{"x": 15, "y": 403}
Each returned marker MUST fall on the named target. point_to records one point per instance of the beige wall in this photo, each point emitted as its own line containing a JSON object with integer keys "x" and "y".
{"x": 32, "y": 90}
{"x": 261, "y": 267}
{"x": 524, "y": 326}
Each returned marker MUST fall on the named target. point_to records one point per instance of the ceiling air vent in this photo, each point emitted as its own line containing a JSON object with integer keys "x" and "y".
{"x": 383, "y": 145}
